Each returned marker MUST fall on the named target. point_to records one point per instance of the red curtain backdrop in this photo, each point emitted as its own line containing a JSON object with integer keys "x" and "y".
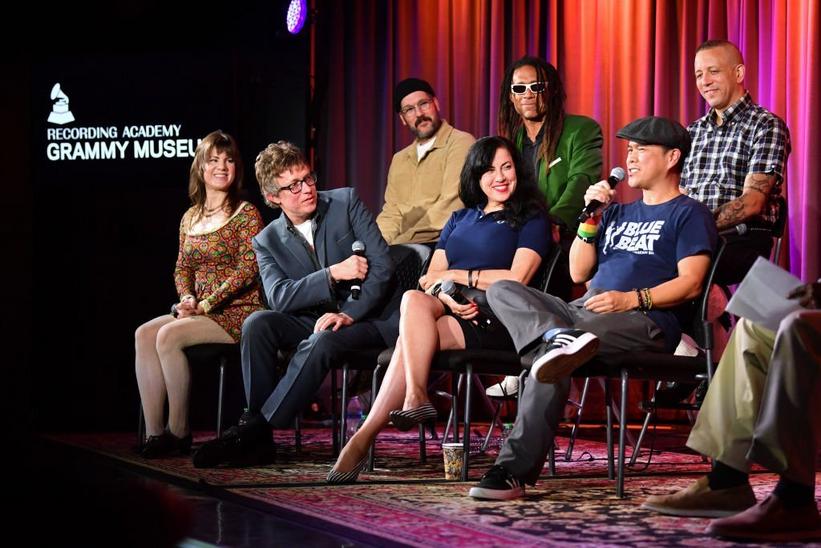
{"x": 619, "y": 59}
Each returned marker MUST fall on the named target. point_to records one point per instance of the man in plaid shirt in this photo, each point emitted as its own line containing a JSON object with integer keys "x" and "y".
{"x": 738, "y": 158}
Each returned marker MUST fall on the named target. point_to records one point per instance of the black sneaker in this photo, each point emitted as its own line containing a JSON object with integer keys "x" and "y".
{"x": 565, "y": 351}
{"x": 247, "y": 444}
{"x": 498, "y": 484}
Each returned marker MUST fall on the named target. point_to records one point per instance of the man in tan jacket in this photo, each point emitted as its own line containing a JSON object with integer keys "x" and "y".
{"x": 423, "y": 179}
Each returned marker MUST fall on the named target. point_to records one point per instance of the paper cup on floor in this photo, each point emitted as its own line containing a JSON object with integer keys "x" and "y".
{"x": 454, "y": 454}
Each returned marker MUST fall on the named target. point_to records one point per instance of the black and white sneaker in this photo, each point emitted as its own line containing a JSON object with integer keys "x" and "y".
{"x": 498, "y": 484}
{"x": 565, "y": 351}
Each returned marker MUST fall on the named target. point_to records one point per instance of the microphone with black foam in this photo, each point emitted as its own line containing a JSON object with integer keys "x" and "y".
{"x": 358, "y": 249}
{"x": 617, "y": 175}
{"x": 450, "y": 289}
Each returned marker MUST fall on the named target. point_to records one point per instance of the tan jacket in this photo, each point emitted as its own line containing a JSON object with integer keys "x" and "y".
{"x": 420, "y": 196}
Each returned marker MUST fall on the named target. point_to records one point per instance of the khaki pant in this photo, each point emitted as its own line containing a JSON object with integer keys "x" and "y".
{"x": 764, "y": 404}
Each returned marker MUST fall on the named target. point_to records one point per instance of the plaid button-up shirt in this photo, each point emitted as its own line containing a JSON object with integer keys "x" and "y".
{"x": 751, "y": 140}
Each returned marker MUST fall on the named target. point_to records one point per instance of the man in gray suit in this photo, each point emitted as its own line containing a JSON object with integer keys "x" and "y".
{"x": 324, "y": 300}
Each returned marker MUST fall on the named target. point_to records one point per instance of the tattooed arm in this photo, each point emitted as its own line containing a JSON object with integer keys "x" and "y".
{"x": 752, "y": 201}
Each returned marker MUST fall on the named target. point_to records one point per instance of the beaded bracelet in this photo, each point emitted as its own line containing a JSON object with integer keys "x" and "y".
{"x": 644, "y": 299}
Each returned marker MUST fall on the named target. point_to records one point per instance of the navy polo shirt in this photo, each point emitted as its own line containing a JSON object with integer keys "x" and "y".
{"x": 473, "y": 240}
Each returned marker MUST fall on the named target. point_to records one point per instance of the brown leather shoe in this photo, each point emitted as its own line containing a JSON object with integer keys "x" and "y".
{"x": 769, "y": 520}
{"x": 698, "y": 500}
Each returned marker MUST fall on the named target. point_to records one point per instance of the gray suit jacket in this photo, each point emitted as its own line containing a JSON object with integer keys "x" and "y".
{"x": 296, "y": 282}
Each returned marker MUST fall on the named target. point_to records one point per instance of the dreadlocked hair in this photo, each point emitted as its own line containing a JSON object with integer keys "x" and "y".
{"x": 551, "y": 101}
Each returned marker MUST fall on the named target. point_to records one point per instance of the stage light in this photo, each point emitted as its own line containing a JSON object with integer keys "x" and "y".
{"x": 297, "y": 13}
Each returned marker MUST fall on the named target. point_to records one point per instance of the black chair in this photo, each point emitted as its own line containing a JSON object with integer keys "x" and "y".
{"x": 777, "y": 230}
{"x": 411, "y": 262}
{"x": 652, "y": 366}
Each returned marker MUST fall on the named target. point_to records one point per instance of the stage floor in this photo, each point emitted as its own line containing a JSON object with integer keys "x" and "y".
{"x": 405, "y": 503}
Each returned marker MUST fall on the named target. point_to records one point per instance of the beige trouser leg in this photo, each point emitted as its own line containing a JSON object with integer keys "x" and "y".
{"x": 725, "y": 424}
{"x": 764, "y": 404}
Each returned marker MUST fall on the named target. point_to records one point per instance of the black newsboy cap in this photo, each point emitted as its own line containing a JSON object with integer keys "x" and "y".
{"x": 408, "y": 86}
{"x": 654, "y": 130}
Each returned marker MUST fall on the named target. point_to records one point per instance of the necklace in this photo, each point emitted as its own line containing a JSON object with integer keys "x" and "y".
{"x": 210, "y": 212}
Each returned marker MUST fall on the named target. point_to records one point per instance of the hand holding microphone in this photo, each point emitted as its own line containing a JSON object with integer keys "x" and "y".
{"x": 353, "y": 268}
{"x": 358, "y": 249}
{"x": 601, "y": 193}
{"x": 470, "y": 310}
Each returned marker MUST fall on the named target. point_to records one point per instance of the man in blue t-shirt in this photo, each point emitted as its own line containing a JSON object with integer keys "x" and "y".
{"x": 643, "y": 260}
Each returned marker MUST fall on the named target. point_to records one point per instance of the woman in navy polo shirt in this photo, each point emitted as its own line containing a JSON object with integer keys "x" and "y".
{"x": 503, "y": 233}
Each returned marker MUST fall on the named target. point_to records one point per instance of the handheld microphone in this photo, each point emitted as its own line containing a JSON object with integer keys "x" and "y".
{"x": 740, "y": 229}
{"x": 449, "y": 288}
{"x": 358, "y": 249}
{"x": 617, "y": 175}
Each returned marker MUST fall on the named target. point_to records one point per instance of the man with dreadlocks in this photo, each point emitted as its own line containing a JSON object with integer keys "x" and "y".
{"x": 564, "y": 150}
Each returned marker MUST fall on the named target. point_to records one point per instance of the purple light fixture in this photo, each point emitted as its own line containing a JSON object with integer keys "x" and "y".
{"x": 297, "y": 13}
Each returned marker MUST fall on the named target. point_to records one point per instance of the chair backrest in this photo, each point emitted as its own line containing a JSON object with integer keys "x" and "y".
{"x": 780, "y": 203}
{"x": 411, "y": 262}
{"x": 542, "y": 278}
{"x": 700, "y": 329}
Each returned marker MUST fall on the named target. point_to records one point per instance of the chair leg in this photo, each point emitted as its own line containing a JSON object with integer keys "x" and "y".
{"x": 298, "y": 434}
{"x": 608, "y": 413}
{"x": 496, "y": 412}
{"x": 466, "y": 433}
{"x": 334, "y": 425}
{"x": 374, "y": 390}
{"x": 456, "y": 382}
{"x": 574, "y": 431}
{"x": 140, "y": 428}
{"x": 647, "y": 416}
{"x": 423, "y": 455}
{"x": 622, "y": 433}
{"x": 343, "y": 409}
{"x": 551, "y": 460}
{"x": 221, "y": 395}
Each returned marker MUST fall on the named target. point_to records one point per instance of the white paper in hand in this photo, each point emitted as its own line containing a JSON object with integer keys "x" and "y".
{"x": 762, "y": 295}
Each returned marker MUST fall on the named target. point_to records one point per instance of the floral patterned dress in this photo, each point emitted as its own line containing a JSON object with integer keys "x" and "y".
{"x": 220, "y": 267}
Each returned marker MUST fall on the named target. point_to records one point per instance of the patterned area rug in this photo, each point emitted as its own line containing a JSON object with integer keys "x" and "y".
{"x": 403, "y": 502}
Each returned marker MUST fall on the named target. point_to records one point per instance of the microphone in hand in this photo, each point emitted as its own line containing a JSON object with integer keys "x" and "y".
{"x": 450, "y": 289}
{"x": 358, "y": 249}
{"x": 617, "y": 175}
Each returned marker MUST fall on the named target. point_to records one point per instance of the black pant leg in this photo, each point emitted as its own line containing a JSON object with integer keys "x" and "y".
{"x": 309, "y": 366}
{"x": 263, "y": 334}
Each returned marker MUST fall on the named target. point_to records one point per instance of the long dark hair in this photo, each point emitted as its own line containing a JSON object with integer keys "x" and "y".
{"x": 525, "y": 202}
{"x": 217, "y": 141}
{"x": 552, "y": 100}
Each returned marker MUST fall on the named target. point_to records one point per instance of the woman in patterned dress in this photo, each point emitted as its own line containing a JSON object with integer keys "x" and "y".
{"x": 216, "y": 279}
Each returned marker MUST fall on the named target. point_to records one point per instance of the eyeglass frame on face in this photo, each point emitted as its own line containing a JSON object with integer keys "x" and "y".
{"x": 529, "y": 87}
{"x": 296, "y": 186}
{"x": 424, "y": 106}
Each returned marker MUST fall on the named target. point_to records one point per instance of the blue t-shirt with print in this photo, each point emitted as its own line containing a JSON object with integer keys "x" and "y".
{"x": 473, "y": 240}
{"x": 640, "y": 245}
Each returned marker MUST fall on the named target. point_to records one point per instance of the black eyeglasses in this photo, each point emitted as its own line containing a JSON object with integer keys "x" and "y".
{"x": 423, "y": 106}
{"x": 521, "y": 89}
{"x": 296, "y": 186}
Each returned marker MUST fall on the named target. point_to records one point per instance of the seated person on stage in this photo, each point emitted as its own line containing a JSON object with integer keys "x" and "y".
{"x": 307, "y": 271}
{"x": 216, "y": 279}
{"x": 423, "y": 178}
{"x": 738, "y": 158}
{"x": 564, "y": 151}
{"x": 502, "y": 234}
{"x": 764, "y": 407}
{"x": 661, "y": 244}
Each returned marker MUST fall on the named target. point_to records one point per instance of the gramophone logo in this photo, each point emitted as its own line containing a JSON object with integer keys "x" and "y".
{"x": 60, "y": 113}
